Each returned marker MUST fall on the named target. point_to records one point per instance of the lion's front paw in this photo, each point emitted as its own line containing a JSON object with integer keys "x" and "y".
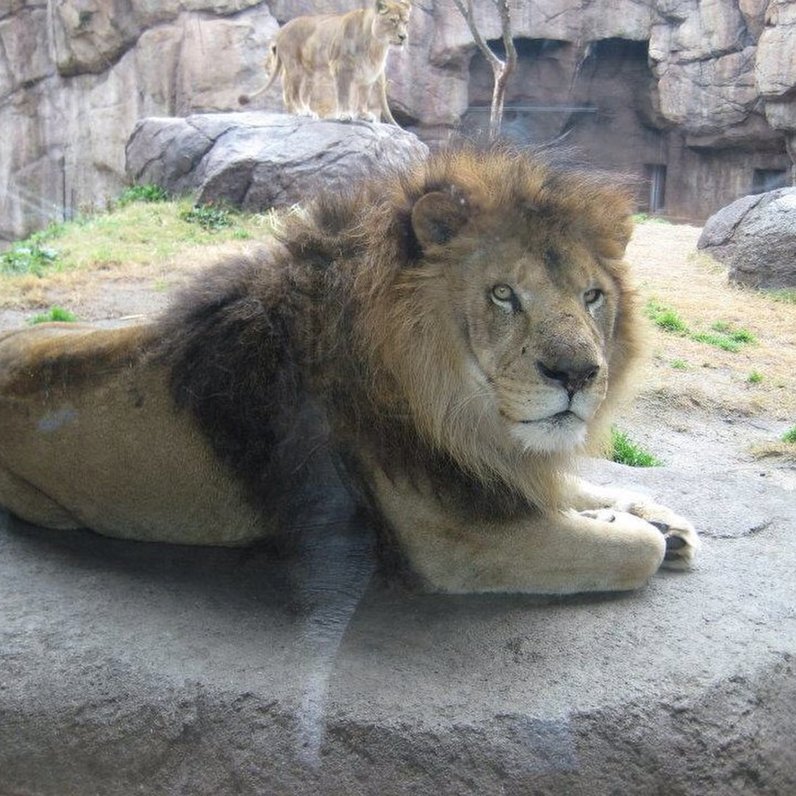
{"x": 682, "y": 542}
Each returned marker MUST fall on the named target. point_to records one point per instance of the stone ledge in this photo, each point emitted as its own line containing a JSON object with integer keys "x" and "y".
{"x": 155, "y": 669}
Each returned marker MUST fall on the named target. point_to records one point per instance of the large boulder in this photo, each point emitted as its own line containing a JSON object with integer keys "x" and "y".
{"x": 755, "y": 237}
{"x": 260, "y": 160}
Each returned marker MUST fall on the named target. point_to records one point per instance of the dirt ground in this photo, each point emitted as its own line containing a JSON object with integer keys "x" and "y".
{"x": 696, "y": 408}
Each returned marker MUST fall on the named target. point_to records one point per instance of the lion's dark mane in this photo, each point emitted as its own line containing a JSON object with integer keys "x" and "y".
{"x": 268, "y": 354}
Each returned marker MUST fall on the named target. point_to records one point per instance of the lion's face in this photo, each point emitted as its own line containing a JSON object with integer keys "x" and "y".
{"x": 392, "y": 21}
{"x": 513, "y": 327}
{"x": 535, "y": 326}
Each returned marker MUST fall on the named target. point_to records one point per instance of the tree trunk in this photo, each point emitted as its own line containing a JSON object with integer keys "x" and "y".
{"x": 501, "y": 70}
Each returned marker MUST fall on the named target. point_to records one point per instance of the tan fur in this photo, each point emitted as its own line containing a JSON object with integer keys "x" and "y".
{"x": 66, "y": 461}
{"x": 455, "y": 334}
{"x": 332, "y": 65}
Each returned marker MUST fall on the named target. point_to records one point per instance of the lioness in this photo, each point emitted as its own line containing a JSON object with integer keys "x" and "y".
{"x": 332, "y": 65}
{"x": 452, "y": 336}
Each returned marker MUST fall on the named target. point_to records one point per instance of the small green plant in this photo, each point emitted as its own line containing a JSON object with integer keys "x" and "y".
{"x": 624, "y": 451}
{"x": 790, "y": 436}
{"x": 142, "y": 193}
{"x": 208, "y": 217}
{"x": 725, "y": 337}
{"x": 786, "y": 295}
{"x": 643, "y": 218}
{"x": 755, "y": 377}
{"x": 721, "y": 334}
{"x": 741, "y": 336}
{"x": 737, "y": 335}
{"x": 665, "y": 317}
{"x": 717, "y": 340}
{"x": 679, "y": 364}
{"x": 28, "y": 257}
{"x": 54, "y": 314}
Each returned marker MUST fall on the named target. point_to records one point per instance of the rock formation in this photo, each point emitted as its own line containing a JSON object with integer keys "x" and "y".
{"x": 157, "y": 669}
{"x": 756, "y": 237}
{"x": 696, "y": 96}
{"x": 261, "y": 160}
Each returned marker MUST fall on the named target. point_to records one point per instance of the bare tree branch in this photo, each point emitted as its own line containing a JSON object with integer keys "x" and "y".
{"x": 501, "y": 70}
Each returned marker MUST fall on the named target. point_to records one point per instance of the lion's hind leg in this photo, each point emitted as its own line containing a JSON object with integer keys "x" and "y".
{"x": 28, "y": 503}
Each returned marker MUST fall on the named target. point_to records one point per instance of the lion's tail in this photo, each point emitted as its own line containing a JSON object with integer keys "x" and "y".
{"x": 245, "y": 99}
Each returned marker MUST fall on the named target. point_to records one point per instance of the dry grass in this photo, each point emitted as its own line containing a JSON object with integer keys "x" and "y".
{"x": 147, "y": 245}
{"x": 670, "y": 270}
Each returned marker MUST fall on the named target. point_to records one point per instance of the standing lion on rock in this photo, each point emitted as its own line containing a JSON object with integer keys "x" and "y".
{"x": 332, "y": 65}
{"x": 450, "y": 336}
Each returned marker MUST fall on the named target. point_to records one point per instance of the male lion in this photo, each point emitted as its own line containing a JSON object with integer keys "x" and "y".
{"x": 450, "y": 335}
{"x": 332, "y": 65}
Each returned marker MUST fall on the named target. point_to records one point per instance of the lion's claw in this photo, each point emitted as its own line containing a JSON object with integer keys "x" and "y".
{"x": 682, "y": 541}
{"x": 674, "y": 543}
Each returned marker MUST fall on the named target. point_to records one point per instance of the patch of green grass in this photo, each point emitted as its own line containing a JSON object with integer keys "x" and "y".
{"x": 209, "y": 217}
{"x": 679, "y": 364}
{"x": 717, "y": 340}
{"x": 665, "y": 318}
{"x": 725, "y": 337}
{"x": 644, "y": 218}
{"x": 53, "y": 314}
{"x": 786, "y": 295}
{"x": 755, "y": 377}
{"x": 738, "y": 335}
{"x": 625, "y": 451}
{"x": 28, "y": 257}
{"x": 722, "y": 335}
{"x": 136, "y": 234}
{"x": 741, "y": 336}
{"x": 790, "y": 436}
{"x": 142, "y": 193}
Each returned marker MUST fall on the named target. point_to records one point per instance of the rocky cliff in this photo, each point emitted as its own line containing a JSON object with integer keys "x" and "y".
{"x": 696, "y": 96}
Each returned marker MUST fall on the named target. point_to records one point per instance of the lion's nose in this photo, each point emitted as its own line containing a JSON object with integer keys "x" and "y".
{"x": 571, "y": 376}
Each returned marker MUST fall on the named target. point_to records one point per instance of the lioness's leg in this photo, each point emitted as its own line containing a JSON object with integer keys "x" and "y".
{"x": 682, "y": 542}
{"x": 292, "y": 84}
{"x": 381, "y": 89}
{"x": 344, "y": 81}
{"x": 562, "y": 553}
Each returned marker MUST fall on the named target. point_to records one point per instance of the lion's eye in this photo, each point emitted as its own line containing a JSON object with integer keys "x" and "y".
{"x": 502, "y": 293}
{"x": 593, "y": 297}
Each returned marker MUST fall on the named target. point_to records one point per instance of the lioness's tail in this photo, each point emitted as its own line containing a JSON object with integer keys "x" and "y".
{"x": 273, "y": 65}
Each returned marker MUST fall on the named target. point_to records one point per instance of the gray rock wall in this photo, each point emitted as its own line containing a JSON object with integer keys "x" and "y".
{"x": 710, "y": 90}
{"x": 75, "y": 76}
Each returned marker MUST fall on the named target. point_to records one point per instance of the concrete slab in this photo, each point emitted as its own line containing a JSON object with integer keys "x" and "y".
{"x": 134, "y": 668}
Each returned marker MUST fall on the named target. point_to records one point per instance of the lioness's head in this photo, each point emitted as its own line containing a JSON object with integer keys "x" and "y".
{"x": 392, "y": 21}
{"x": 508, "y": 321}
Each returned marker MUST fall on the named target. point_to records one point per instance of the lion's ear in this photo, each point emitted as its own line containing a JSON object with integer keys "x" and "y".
{"x": 437, "y": 217}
